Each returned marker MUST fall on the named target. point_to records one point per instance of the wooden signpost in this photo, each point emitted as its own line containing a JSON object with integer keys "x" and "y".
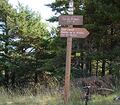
{"x": 70, "y": 20}
{"x": 74, "y": 32}
{"x": 70, "y": 32}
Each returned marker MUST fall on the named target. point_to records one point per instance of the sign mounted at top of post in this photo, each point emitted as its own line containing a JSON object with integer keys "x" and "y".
{"x": 70, "y": 20}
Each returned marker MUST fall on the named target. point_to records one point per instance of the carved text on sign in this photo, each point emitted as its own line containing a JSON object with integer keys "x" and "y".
{"x": 70, "y": 20}
{"x": 74, "y": 32}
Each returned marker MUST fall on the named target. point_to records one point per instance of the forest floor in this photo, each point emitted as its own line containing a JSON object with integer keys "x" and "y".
{"x": 56, "y": 99}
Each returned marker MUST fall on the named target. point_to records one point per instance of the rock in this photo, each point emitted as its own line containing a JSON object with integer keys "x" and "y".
{"x": 117, "y": 98}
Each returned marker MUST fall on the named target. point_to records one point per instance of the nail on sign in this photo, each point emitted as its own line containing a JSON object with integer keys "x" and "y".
{"x": 74, "y": 32}
{"x": 70, "y": 20}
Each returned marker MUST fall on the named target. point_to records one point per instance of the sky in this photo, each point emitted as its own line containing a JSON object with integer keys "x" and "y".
{"x": 38, "y": 6}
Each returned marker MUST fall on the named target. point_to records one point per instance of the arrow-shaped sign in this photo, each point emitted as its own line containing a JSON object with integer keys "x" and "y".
{"x": 74, "y": 32}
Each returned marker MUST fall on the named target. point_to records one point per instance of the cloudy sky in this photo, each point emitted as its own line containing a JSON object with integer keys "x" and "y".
{"x": 36, "y": 5}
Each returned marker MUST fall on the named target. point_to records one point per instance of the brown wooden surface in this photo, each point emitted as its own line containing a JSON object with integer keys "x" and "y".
{"x": 74, "y": 32}
{"x": 70, "y": 20}
{"x": 68, "y": 70}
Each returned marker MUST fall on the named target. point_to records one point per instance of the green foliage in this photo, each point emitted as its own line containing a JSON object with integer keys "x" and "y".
{"x": 101, "y": 18}
{"x": 27, "y": 48}
{"x": 24, "y": 43}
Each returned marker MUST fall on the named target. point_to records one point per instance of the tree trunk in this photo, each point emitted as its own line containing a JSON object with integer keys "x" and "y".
{"x": 103, "y": 67}
{"x": 6, "y": 79}
{"x": 82, "y": 64}
{"x": 87, "y": 67}
{"x": 35, "y": 83}
{"x": 110, "y": 68}
{"x": 90, "y": 68}
{"x": 82, "y": 60}
{"x": 13, "y": 80}
{"x": 97, "y": 62}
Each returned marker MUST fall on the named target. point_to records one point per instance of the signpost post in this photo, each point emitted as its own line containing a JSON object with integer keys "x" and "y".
{"x": 70, "y": 33}
{"x": 67, "y": 72}
{"x": 68, "y": 61}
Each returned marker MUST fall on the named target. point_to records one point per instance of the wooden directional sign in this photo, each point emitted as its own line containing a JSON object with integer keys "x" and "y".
{"x": 70, "y": 20}
{"x": 74, "y": 32}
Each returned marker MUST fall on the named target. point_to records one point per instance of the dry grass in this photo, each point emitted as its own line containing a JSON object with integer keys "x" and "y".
{"x": 46, "y": 98}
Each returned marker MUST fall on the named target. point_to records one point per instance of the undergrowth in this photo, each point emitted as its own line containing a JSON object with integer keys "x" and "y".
{"x": 55, "y": 98}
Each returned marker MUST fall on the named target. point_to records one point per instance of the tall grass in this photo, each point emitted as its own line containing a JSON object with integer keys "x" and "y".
{"x": 52, "y": 98}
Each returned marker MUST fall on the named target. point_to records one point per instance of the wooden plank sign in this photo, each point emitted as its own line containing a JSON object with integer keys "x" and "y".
{"x": 74, "y": 32}
{"x": 70, "y": 20}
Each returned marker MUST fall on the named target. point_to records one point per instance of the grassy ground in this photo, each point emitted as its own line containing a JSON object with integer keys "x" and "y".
{"x": 54, "y": 99}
